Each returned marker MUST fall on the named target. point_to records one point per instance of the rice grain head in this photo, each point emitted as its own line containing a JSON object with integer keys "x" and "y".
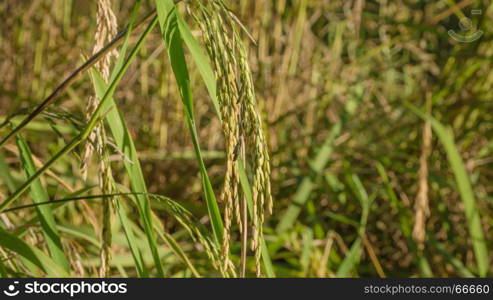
{"x": 197, "y": 232}
{"x": 241, "y": 122}
{"x": 97, "y": 141}
{"x": 106, "y": 29}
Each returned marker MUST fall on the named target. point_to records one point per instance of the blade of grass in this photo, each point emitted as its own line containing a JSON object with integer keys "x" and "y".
{"x": 3, "y": 270}
{"x": 247, "y": 191}
{"x": 31, "y": 254}
{"x": 307, "y": 249}
{"x": 446, "y": 137}
{"x": 125, "y": 144}
{"x": 168, "y": 19}
{"x": 72, "y": 77}
{"x": 131, "y": 241}
{"x": 405, "y": 220}
{"x": 462, "y": 270}
{"x": 129, "y": 227}
{"x": 89, "y": 127}
{"x": 201, "y": 61}
{"x": 305, "y": 188}
{"x": 318, "y": 164}
{"x": 205, "y": 70}
{"x": 5, "y": 174}
{"x": 45, "y": 215}
{"x": 168, "y": 238}
{"x": 353, "y": 257}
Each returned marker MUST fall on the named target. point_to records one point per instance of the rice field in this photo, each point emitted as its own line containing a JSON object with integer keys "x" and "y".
{"x": 236, "y": 138}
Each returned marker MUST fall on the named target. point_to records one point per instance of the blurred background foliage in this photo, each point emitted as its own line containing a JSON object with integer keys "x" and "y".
{"x": 335, "y": 81}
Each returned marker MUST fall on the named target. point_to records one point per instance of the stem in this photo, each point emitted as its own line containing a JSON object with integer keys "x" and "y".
{"x": 72, "y": 77}
{"x": 91, "y": 124}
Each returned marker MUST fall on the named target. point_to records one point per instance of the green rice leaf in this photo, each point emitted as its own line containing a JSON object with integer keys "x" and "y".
{"x": 168, "y": 20}
{"x": 446, "y": 137}
{"x": 45, "y": 215}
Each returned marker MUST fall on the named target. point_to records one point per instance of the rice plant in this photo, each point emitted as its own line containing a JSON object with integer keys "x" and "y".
{"x": 245, "y": 139}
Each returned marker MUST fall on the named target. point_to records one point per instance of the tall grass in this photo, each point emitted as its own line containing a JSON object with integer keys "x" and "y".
{"x": 212, "y": 111}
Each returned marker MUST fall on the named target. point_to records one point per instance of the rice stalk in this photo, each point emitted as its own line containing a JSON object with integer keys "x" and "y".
{"x": 97, "y": 140}
{"x": 69, "y": 80}
{"x": 82, "y": 136}
{"x": 422, "y": 210}
{"x": 45, "y": 215}
{"x": 193, "y": 226}
{"x": 241, "y": 124}
{"x": 445, "y": 135}
{"x": 175, "y": 32}
{"x": 196, "y": 230}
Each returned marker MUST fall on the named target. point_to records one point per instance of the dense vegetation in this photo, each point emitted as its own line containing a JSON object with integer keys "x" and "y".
{"x": 289, "y": 138}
